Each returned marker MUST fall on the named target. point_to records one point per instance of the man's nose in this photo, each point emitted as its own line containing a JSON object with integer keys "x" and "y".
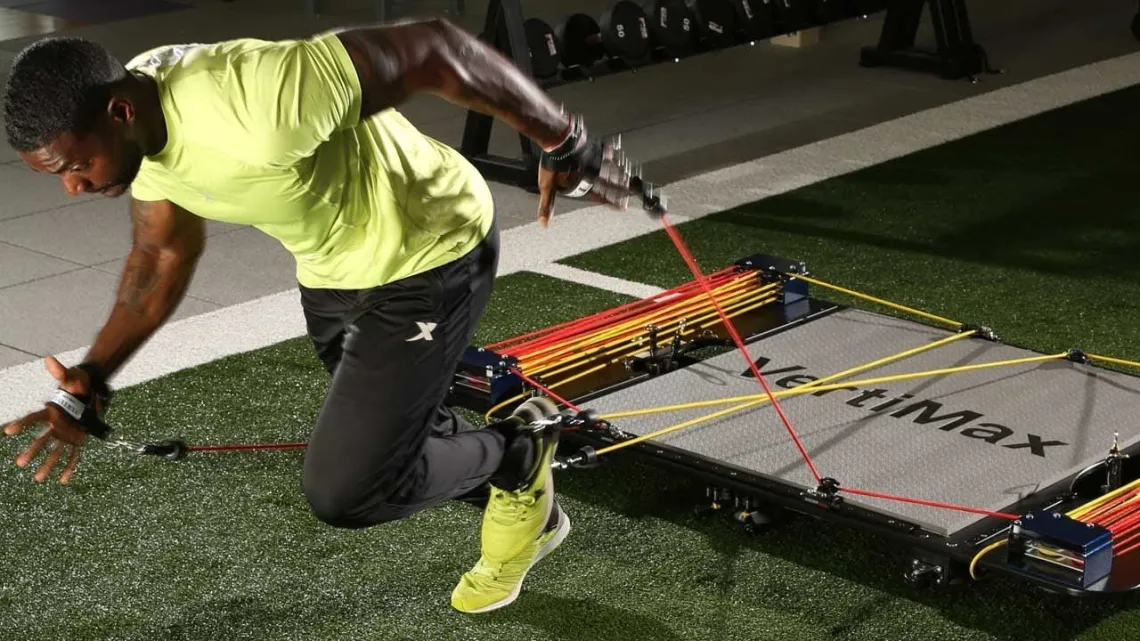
{"x": 75, "y": 185}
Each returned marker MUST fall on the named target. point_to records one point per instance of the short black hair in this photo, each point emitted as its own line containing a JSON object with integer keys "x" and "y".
{"x": 57, "y": 85}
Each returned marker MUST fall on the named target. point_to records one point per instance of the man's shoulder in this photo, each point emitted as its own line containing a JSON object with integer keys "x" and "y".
{"x": 196, "y": 55}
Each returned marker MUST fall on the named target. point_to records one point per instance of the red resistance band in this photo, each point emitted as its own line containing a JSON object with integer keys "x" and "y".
{"x": 691, "y": 261}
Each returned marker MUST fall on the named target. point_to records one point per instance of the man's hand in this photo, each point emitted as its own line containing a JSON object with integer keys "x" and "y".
{"x": 581, "y": 167}
{"x": 62, "y": 433}
{"x": 610, "y": 187}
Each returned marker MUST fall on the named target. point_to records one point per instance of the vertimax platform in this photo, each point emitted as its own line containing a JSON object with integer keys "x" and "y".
{"x": 983, "y": 438}
{"x": 973, "y": 453}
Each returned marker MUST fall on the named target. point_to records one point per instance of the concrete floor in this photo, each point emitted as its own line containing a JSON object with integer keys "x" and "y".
{"x": 59, "y": 257}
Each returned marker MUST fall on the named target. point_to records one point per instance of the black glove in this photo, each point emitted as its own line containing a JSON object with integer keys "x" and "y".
{"x": 599, "y": 169}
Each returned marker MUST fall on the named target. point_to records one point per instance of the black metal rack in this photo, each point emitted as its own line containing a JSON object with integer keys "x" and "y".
{"x": 956, "y": 56}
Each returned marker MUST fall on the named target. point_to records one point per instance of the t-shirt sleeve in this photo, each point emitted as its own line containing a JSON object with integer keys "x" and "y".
{"x": 145, "y": 186}
{"x": 302, "y": 92}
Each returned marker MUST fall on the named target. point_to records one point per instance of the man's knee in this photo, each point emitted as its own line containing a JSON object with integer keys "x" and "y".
{"x": 341, "y": 506}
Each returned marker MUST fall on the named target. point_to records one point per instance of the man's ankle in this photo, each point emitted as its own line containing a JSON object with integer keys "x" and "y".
{"x": 517, "y": 464}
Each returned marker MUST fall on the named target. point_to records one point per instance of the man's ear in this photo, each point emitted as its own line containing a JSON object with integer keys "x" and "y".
{"x": 120, "y": 110}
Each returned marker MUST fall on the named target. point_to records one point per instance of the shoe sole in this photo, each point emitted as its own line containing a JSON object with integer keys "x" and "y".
{"x": 560, "y": 535}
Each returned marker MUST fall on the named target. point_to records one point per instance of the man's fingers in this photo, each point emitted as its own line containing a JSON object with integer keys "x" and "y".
{"x": 547, "y": 190}
{"x": 16, "y": 427}
{"x": 55, "y": 368}
{"x": 72, "y": 462}
{"x": 545, "y": 206}
{"x": 27, "y": 455}
{"x": 50, "y": 462}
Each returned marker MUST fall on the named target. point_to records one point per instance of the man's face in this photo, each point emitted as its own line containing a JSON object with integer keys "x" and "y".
{"x": 104, "y": 161}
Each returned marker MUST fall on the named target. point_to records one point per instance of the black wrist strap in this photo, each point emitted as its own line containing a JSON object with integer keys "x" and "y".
{"x": 564, "y": 156}
{"x": 99, "y": 387}
{"x": 82, "y": 411}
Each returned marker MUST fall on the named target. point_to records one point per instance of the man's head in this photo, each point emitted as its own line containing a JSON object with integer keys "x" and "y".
{"x": 71, "y": 109}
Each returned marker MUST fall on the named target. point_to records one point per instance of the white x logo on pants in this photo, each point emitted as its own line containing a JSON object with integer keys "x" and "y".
{"x": 425, "y": 332}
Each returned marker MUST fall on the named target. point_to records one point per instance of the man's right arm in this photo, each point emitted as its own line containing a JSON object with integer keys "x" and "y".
{"x": 167, "y": 242}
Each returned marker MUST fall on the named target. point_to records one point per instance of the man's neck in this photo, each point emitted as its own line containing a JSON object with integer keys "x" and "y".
{"x": 150, "y": 115}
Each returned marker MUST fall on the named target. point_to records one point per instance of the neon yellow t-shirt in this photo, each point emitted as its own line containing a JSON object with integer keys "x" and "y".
{"x": 269, "y": 134}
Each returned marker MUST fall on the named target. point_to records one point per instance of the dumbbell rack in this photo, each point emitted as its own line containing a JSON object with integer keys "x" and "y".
{"x": 956, "y": 56}
{"x": 504, "y": 30}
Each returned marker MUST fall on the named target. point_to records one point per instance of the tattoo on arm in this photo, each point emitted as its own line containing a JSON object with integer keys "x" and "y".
{"x": 140, "y": 277}
{"x": 166, "y": 244}
{"x": 141, "y": 220}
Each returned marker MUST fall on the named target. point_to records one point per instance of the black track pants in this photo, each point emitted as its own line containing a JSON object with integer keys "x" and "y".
{"x": 384, "y": 446}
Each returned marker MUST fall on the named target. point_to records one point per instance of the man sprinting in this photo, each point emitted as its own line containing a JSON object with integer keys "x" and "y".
{"x": 394, "y": 236}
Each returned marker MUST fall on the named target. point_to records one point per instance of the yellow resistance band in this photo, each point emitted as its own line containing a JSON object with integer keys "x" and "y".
{"x": 610, "y": 358}
{"x": 1114, "y": 361}
{"x": 804, "y": 389}
{"x": 740, "y": 287}
{"x": 1076, "y": 514}
{"x": 810, "y": 388}
{"x": 887, "y": 303}
{"x": 640, "y": 341}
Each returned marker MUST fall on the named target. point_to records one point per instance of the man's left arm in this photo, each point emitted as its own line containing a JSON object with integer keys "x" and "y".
{"x": 394, "y": 61}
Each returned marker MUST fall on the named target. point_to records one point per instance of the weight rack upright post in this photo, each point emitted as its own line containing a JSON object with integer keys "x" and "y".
{"x": 504, "y": 30}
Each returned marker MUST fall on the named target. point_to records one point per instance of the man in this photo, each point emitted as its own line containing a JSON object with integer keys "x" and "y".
{"x": 394, "y": 236}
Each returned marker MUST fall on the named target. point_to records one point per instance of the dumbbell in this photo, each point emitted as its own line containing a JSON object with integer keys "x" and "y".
{"x": 672, "y": 27}
{"x": 581, "y": 38}
{"x": 621, "y": 35}
{"x": 755, "y": 19}
{"x": 678, "y": 26}
{"x": 544, "y": 47}
{"x": 716, "y": 22}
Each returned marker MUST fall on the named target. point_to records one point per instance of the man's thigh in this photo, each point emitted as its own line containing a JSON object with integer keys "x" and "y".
{"x": 398, "y": 359}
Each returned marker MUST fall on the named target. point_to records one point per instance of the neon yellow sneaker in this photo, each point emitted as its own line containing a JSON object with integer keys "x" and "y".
{"x": 492, "y": 585}
{"x": 519, "y": 526}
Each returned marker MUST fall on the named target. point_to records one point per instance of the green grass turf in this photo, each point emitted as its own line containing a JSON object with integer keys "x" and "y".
{"x": 1027, "y": 228}
{"x": 1032, "y": 229}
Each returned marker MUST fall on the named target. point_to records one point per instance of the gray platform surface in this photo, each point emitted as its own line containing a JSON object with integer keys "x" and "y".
{"x": 981, "y": 439}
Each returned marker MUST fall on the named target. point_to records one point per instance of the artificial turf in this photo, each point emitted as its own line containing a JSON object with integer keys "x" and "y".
{"x": 1028, "y": 228}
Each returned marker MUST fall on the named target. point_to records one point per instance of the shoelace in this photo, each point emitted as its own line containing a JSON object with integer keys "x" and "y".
{"x": 488, "y": 574}
{"x": 505, "y": 510}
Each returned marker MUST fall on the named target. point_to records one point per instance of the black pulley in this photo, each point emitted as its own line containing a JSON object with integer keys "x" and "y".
{"x": 671, "y": 27}
{"x": 754, "y": 19}
{"x": 581, "y": 39}
{"x": 544, "y": 48}
{"x": 625, "y": 32}
{"x": 1136, "y": 26}
{"x": 792, "y": 15}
